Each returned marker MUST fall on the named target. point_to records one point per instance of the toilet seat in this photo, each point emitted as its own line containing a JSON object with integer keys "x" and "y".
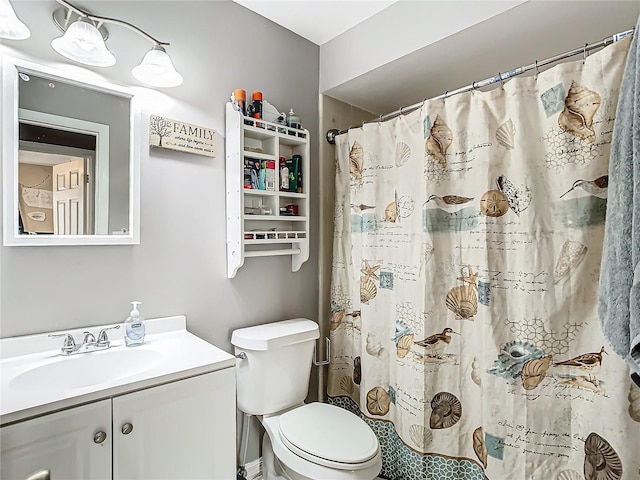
{"x": 329, "y": 436}
{"x": 298, "y": 468}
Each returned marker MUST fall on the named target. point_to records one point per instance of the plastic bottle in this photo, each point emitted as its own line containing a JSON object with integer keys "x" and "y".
{"x": 240, "y": 96}
{"x": 284, "y": 175}
{"x": 134, "y": 327}
{"x": 298, "y": 162}
{"x": 256, "y": 106}
{"x": 293, "y": 121}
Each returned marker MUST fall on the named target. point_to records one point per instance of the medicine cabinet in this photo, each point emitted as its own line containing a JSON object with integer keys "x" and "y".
{"x": 267, "y": 177}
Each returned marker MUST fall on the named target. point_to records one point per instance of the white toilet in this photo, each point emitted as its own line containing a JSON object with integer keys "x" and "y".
{"x": 313, "y": 441}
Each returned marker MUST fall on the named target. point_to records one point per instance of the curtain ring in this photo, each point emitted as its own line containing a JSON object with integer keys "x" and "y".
{"x": 446, "y": 94}
{"x": 501, "y": 80}
{"x": 537, "y": 70}
{"x": 401, "y": 109}
{"x": 473, "y": 87}
{"x": 584, "y": 53}
{"x": 380, "y": 119}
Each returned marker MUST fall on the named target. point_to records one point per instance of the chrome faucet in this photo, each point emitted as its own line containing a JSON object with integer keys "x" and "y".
{"x": 69, "y": 344}
{"x": 103, "y": 339}
{"x": 89, "y": 342}
{"x": 89, "y": 338}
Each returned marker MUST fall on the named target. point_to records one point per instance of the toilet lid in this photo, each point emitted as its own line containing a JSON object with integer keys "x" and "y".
{"x": 328, "y": 435}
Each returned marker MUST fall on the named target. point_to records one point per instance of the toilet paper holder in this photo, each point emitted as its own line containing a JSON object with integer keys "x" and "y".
{"x": 327, "y": 353}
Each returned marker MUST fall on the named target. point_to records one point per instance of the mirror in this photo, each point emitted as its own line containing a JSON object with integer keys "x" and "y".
{"x": 70, "y": 159}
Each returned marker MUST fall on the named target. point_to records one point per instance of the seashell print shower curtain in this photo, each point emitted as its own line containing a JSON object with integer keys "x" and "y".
{"x": 467, "y": 245}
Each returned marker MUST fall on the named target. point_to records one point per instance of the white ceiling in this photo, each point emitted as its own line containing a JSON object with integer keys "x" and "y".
{"x": 316, "y": 20}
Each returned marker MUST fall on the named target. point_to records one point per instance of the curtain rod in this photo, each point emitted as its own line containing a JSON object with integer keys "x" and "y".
{"x": 501, "y": 77}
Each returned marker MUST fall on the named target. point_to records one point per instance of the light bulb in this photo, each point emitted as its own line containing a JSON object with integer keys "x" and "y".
{"x": 11, "y": 27}
{"x": 83, "y": 43}
{"x": 157, "y": 70}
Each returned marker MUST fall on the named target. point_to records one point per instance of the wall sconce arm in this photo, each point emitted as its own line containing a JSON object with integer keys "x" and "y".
{"x": 99, "y": 19}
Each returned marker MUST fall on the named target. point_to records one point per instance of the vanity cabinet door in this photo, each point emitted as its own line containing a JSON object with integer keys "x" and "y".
{"x": 181, "y": 430}
{"x": 73, "y": 444}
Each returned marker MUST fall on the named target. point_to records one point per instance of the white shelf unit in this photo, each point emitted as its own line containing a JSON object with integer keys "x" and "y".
{"x": 270, "y": 233}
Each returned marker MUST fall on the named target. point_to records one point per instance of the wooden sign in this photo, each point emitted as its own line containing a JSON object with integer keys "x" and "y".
{"x": 183, "y": 137}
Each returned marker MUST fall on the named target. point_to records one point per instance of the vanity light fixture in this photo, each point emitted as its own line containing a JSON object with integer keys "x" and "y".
{"x": 11, "y": 27}
{"x": 83, "y": 42}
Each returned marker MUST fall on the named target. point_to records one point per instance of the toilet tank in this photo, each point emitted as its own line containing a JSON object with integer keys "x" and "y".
{"x": 274, "y": 375}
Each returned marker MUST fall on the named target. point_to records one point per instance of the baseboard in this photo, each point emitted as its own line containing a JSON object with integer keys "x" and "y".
{"x": 254, "y": 469}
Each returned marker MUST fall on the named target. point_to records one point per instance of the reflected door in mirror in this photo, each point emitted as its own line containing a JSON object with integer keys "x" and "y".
{"x": 69, "y": 198}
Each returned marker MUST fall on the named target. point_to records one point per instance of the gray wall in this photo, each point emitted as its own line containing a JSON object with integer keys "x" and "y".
{"x": 180, "y": 265}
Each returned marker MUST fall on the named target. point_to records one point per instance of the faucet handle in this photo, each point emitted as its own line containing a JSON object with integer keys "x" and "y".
{"x": 88, "y": 338}
{"x": 69, "y": 344}
{"x": 103, "y": 339}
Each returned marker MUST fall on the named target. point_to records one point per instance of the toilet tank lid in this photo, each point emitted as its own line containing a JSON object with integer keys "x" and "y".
{"x": 276, "y": 334}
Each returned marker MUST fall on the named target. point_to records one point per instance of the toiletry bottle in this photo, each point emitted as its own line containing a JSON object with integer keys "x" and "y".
{"x": 293, "y": 121}
{"x": 284, "y": 175}
{"x": 134, "y": 327}
{"x": 298, "y": 162}
{"x": 256, "y": 110}
{"x": 241, "y": 100}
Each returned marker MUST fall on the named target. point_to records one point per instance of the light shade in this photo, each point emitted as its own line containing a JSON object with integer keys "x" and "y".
{"x": 156, "y": 69}
{"x": 11, "y": 27}
{"x": 83, "y": 43}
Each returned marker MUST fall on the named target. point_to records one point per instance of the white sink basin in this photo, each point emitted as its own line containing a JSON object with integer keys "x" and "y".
{"x": 87, "y": 369}
{"x": 36, "y": 379}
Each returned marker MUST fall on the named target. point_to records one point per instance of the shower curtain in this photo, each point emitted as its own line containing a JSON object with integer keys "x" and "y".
{"x": 467, "y": 245}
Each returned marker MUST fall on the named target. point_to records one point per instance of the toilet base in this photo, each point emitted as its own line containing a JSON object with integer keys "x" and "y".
{"x": 272, "y": 469}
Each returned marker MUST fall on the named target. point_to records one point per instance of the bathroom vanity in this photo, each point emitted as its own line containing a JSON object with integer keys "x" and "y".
{"x": 165, "y": 409}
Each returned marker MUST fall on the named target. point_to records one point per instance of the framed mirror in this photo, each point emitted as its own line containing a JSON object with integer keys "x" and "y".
{"x": 70, "y": 159}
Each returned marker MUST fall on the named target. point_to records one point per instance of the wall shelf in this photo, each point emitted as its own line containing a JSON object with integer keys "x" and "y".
{"x": 259, "y": 156}
{"x": 266, "y": 233}
{"x": 264, "y": 193}
{"x": 274, "y": 218}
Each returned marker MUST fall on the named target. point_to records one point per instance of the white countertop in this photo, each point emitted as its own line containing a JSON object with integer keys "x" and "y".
{"x": 176, "y": 354}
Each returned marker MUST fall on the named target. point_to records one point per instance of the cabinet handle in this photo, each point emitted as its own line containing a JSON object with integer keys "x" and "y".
{"x": 40, "y": 475}
{"x": 99, "y": 437}
{"x": 127, "y": 428}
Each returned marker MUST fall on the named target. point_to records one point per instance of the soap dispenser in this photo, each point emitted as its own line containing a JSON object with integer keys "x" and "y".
{"x": 293, "y": 120}
{"x": 134, "y": 327}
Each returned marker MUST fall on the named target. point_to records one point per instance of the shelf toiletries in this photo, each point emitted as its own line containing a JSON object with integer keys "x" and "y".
{"x": 269, "y": 169}
{"x": 240, "y": 100}
{"x": 259, "y": 175}
{"x": 256, "y": 106}
{"x": 291, "y": 174}
{"x": 284, "y": 175}
{"x": 293, "y": 121}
